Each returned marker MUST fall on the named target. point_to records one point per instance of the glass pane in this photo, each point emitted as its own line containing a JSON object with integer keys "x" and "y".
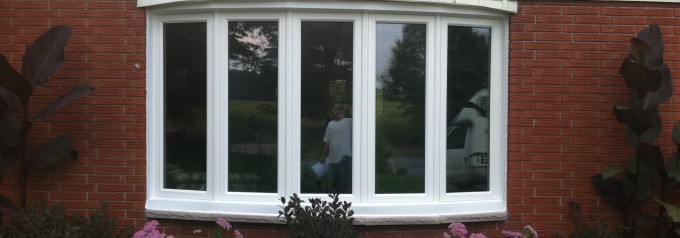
{"x": 253, "y": 110}
{"x": 400, "y": 108}
{"x": 327, "y": 49}
{"x": 185, "y": 105}
{"x": 467, "y": 150}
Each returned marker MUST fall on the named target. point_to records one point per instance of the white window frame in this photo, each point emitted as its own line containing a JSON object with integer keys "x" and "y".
{"x": 431, "y": 207}
{"x": 155, "y": 141}
{"x": 498, "y": 106}
{"x": 357, "y": 98}
{"x": 370, "y": 83}
{"x": 222, "y": 90}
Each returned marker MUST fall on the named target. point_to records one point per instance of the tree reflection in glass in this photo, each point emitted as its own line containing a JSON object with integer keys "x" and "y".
{"x": 467, "y": 150}
{"x": 184, "y": 70}
{"x": 326, "y": 68}
{"x": 400, "y": 108}
{"x": 253, "y": 120}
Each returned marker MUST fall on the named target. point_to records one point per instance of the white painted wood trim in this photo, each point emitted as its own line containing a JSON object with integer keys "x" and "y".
{"x": 502, "y": 5}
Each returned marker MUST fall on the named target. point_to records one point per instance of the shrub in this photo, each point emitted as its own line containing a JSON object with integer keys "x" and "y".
{"x": 41, "y": 221}
{"x": 320, "y": 219}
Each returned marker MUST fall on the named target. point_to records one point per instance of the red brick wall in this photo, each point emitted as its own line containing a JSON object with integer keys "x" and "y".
{"x": 564, "y": 60}
{"x": 564, "y": 57}
{"x": 106, "y": 51}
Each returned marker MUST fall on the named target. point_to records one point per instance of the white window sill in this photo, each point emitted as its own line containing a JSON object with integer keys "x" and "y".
{"x": 365, "y": 214}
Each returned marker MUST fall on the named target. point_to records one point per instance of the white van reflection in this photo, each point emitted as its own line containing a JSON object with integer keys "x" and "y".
{"x": 467, "y": 146}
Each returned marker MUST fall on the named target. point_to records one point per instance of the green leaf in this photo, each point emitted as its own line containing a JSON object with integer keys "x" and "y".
{"x": 13, "y": 81}
{"x": 52, "y": 152}
{"x": 672, "y": 210}
{"x": 75, "y": 93}
{"x": 45, "y": 55}
{"x": 610, "y": 172}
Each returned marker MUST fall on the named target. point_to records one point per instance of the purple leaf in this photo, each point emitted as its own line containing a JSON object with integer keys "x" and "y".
{"x": 9, "y": 159}
{"x": 640, "y": 78}
{"x": 10, "y": 124}
{"x": 75, "y": 93}
{"x": 45, "y": 55}
{"x": 6, "y": 203}
{"x": 13, "y": 81}
{"x": 50, "y": 153}
{"x": 648, "y": 47}
{"x": 636, "y": 119}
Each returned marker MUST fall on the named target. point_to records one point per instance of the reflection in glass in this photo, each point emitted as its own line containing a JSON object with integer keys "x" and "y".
{"x": 400, "y": 108}
{"x": 467, "y": 150}
{"x": 253, "y": 81}
{"x": 185, "y": 78}
{"x": 326, "y": 69}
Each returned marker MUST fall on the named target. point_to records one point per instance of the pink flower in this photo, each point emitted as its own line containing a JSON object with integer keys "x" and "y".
{"x": 458, "y": 229}
{"x": 149, "y": 231}
{"x": 477, "y": 235}
{"x": 512, "y": 234}
{"x": 223, "y": 223}
{"x": 237, "y": 234}
{"x": 155, "y": 234}
{"x": 150, "y": 225}
{"x": 197, "y": 231}
{"x": 139, "y": 234}
{"x": 446, "y": 235}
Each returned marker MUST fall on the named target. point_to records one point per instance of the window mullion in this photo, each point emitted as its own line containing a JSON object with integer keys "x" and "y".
{"x": 439, "y": 109}
{"x": 365, "y": 103}
{"x": 292, "y": 105}
{"x": 217, "y": 130}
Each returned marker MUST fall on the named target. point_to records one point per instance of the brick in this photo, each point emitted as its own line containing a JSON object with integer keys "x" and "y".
{"x": 593, "y": 20}
{"x": 572, "y": 10}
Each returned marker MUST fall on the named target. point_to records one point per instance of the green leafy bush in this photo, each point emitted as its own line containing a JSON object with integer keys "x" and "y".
{"x": 41, "y": 221}
{"x": 320, "y": 219}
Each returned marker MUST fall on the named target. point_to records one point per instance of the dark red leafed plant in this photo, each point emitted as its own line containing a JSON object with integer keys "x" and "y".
{"x": 42, "y": 58}
{"x": 633, "y": 188}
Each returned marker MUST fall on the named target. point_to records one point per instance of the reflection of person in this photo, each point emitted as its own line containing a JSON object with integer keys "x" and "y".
{"x": 337, "y": 149}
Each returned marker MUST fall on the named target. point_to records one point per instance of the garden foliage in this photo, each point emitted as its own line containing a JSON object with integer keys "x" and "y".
{"x": 41, "y": 221}
{"x": 647, "y": 178}
{"x": 42, "y": 59}
{"x": 321, "y": 219}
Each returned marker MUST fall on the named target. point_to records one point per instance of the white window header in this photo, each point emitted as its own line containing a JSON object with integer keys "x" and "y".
{"x": 503, "y": 5}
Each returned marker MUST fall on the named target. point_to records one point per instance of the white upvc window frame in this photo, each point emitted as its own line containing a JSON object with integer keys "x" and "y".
{"x": 498, "y": 106}
{"x": 370, "y": 84}
{"x": 358, "y": 98}
{"x": 221, "y": 86}
{"x": 431, "y": 207}
{"x": 155, "y": 114}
